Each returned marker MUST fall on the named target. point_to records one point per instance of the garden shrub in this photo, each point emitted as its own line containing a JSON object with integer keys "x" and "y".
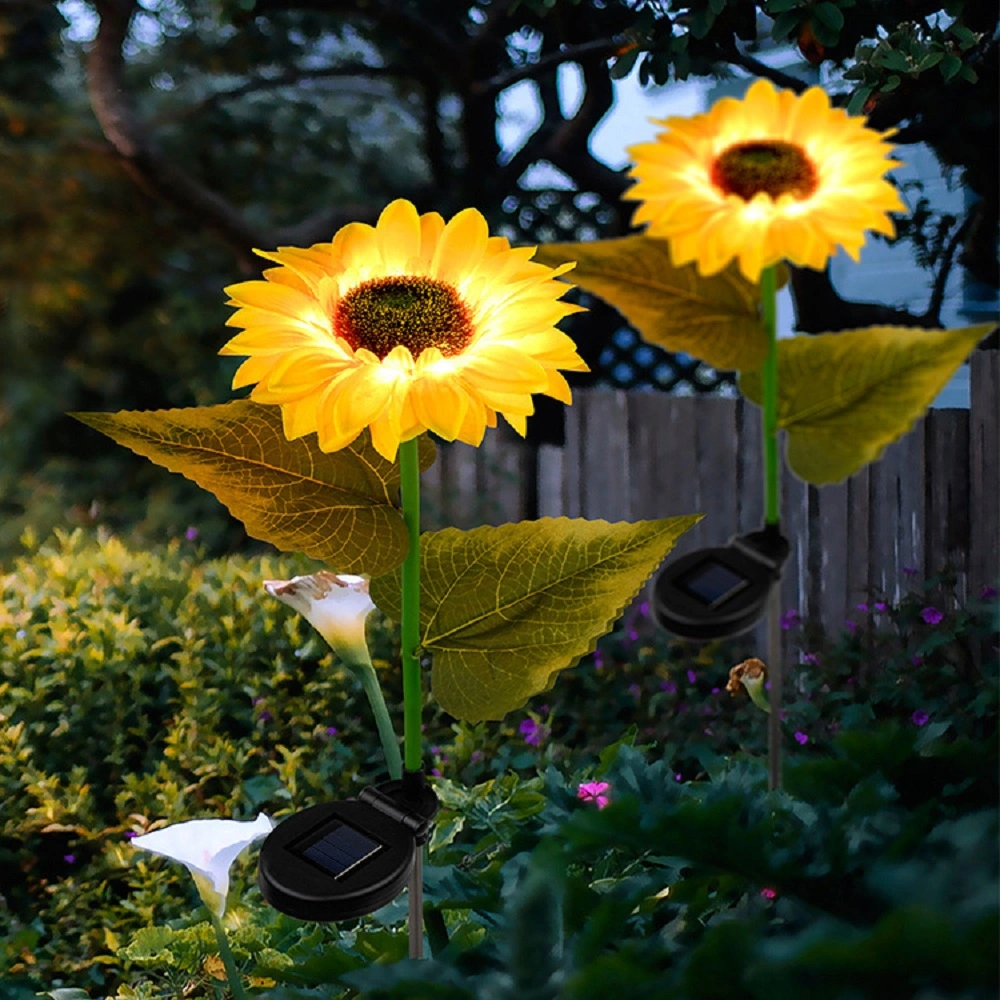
{"x": 152, "y": 686}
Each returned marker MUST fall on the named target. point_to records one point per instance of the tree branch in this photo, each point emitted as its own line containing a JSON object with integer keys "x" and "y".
{"x": 585, "y": 52}
{"x": 933, "y": 313}
{"x": 285, "y": 79}
{"x": 139, "y": 156}
{"x": 755, "y": 66}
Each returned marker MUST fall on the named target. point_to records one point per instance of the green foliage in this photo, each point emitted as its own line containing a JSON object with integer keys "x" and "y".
{"x": 140, "y": 687}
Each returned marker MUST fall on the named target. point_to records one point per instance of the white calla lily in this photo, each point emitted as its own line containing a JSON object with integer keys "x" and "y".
{"x": 336, "y": 606}
{"x": 207, "y": 848}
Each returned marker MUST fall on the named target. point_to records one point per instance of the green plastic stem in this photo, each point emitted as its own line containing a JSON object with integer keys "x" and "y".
{"x": 768, "y": 294}
{"x": 409, "y": 475}
{"x": 386, "y": 733}
{"x": 228, "y": 961}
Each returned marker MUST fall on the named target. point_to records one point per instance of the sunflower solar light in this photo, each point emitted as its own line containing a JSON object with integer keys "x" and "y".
{"x": 357, "y": 351}
{"x": 728, "y": 198}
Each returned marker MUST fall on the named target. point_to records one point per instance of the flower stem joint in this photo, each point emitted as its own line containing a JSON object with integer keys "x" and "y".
{"x": 341, "y": 860}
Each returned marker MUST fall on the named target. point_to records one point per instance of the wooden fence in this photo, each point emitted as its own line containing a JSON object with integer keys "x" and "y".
{"x": 933, "y": 500}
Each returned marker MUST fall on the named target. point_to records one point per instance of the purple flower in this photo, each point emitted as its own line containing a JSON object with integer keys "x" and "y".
{"x": 531, "y": 731}
{"x": 988, "y": 593}
{"x": 634, "y": 690}
{"x": 801, "y": 738}
{"x": 436, "y": 772}
{"x": 931, "y": 615}
{"x": 265, "y": 716}
{"x": 593, "y": 791}
{"x": 669, "y": 686}
{"x": 644, "y": 608}
{"x": 632, "y": 635}
{"x": 678, "y": 777}
{"x": 129, "y": 834}
{"x": 544, "y": 709}
{"x": 768, "y": 893}
{"x": 916, "y": 660}
{"x": 476, "y": 756}
{"x": 920, "y": 718}
{"x": 191, "y": 534}
{"x": 910, "y": 570}
{"x": 810, "y": 658}
{"x": 598, "y": 659}
{"x": 331, "y": 730}
{"x": 70, "y": 859}
{"x": 692, "y": 677}
{"x": 715, "y": 690}
{"x": 707, "y": 731}
{"x": 861, "y": 607}
{"x": 851, "y": 627}
{"x": 790, "y": 619}
{"x": 880, "y": 606}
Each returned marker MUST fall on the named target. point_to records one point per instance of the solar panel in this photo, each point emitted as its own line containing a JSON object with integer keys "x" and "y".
{"x": 341, "y": 849}
{"x": 712, "y": 582}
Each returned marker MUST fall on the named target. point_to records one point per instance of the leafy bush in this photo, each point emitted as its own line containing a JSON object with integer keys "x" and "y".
{"x": 137, "y": 687}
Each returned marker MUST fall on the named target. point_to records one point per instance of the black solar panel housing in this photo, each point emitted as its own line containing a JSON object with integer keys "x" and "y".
{"x": 341, "y": 849}
{"x": 712, "y": 582}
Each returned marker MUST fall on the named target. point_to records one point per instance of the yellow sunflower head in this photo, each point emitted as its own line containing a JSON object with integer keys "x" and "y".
{"x": 776, "y": 176}
{"x": 413, "y": 324}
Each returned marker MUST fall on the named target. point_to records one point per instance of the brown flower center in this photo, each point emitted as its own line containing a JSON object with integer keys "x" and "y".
{"x": 772, "y": 167}
{"x": 416, "y": 312}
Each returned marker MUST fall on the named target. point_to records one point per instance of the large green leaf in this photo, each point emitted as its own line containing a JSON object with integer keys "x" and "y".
{"x": 716, "y": 319}
{"x": 844, "y": 397}
{"x": 504, "y": 609}
{"x": 338, "y": 507}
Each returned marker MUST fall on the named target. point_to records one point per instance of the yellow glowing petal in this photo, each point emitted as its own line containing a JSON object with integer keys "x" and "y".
{"x": 519, "y": 423}
{"x": 440, "y": 405}
{"x": 355, "y": 245}
{"x": 431, "y": 228}
{"x": 267, "y": 295}
{"x": 283, "y": 276}
{"x": 460, "y": 247}
{"x": 299, "y": 417}
{"x": 272, "y": 339}
{"x": 398, "y": 234}
{"x": 252, "y": 370}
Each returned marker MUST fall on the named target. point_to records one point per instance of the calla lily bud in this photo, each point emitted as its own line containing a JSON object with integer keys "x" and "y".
{"x": 751, "y": 674}
{"x": 207, "y": 848}
{"x": 336, "y": 606}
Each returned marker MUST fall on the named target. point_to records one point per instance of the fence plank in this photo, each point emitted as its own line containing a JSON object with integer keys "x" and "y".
{"x": 794, "y": 517}
{"x": 573, "y": 448}
{"x": 718, "y": 474}
{"x": 551, "y": 481}
{"x": 984, "y": 469}
{"x": 605, "y": 473}
{"x": 947, "y": 495}
{"x": 827, "y": 555}
{"x": 749, "y": 466}
{"x": 896, "y": 503}
{"x": 500, "y": 479}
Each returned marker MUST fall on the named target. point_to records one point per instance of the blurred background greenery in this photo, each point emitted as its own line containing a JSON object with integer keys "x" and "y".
{"x": 147, "y": 147}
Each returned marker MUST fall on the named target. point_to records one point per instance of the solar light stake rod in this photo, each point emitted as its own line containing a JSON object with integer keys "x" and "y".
{"x": 775, "y": 676}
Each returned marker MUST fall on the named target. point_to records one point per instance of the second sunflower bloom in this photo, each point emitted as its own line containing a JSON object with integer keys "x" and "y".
{"x": 410, "y": 325}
